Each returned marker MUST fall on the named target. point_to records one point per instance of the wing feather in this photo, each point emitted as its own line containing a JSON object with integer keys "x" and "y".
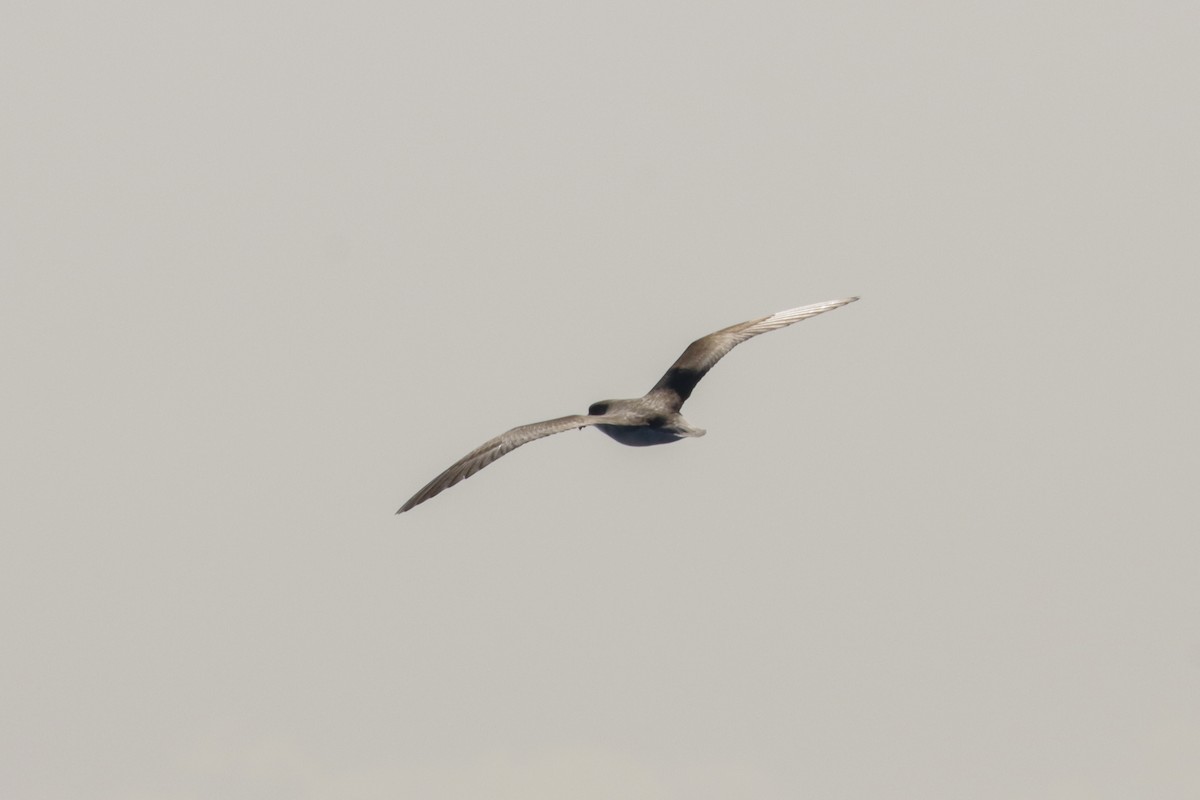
{"x": 701, "y": 355}
{"x": 492, "y": 449}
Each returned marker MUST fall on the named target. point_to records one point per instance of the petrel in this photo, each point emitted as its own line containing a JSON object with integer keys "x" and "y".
{"x": 651, "y": 419}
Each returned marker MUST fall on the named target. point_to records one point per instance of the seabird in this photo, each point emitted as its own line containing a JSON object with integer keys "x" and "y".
{"x": 651, "y": 419}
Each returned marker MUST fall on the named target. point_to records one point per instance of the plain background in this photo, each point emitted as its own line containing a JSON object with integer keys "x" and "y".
{"x": 270, "y": 267}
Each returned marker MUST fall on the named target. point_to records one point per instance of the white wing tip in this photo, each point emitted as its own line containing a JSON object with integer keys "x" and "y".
{"x": 812, "y": 310}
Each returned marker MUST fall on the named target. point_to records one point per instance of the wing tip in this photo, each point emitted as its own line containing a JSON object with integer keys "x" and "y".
{"x": 832, "y": 304}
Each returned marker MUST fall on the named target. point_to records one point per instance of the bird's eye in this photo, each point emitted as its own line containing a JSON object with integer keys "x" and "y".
{"x": 596, "y": 409}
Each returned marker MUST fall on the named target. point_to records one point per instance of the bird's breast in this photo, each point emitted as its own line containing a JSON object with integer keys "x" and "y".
{"x": 640, "y": 435}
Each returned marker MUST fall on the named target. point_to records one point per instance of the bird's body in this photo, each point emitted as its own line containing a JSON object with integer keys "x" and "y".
{"x": 648, "y": 433}
{"x": 643, "y": 421}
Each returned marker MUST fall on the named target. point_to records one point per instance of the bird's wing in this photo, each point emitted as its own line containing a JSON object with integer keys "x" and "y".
{"x": 492, "y": 449}
{"x": 702, "y": 354}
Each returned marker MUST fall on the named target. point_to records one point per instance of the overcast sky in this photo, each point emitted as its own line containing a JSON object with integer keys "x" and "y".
{"x": 267, "y": 268}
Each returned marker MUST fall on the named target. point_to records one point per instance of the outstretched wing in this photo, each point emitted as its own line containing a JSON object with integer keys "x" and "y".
{"x": 702, "y": 354}
{"x": 492, "y": 449}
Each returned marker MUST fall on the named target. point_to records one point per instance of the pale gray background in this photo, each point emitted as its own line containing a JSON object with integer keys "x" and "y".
{"x": 268, "y": 268}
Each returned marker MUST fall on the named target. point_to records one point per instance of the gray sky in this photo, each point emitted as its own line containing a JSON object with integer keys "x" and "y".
{"x": 269, "y": 268}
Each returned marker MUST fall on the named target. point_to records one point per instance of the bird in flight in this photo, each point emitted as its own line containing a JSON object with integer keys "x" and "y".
{"x": 651, "y": 419}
